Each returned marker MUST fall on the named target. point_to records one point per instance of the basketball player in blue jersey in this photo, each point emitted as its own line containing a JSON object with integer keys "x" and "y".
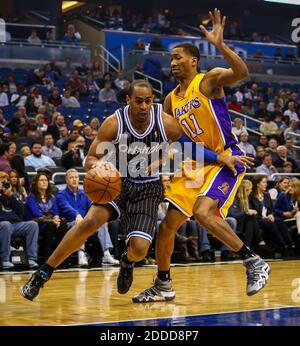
{"x": 199, "y": 106}
{"x": 143, "y": 122}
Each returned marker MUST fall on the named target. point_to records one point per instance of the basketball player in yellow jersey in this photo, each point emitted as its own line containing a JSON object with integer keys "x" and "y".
{"x": 198, "y": 105}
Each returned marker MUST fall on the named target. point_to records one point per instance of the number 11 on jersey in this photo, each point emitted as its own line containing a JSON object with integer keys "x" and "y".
{"x": 197, "y": 129}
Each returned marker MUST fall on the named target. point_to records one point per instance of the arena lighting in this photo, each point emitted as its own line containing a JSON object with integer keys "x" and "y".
{"x": 288, "y": 2}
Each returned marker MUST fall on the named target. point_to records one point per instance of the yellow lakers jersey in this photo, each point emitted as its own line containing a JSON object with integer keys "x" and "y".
{"x": 203, "y": 119}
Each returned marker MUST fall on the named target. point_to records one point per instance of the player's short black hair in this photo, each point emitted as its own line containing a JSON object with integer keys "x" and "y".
{"x": 190, "y": 48}
{"x": 139, "y": 83}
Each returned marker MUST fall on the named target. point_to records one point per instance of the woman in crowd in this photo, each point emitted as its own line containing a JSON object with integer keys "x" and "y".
{"x": 95, "y": 124}
{"x": 42, "y": 207}
{"x": 288, "y": 203}
{"x": 275, "y": 230}
{"x": 16, "y": 185}
{"x": 281, "y": 186}
{"x": 247, "y": 220}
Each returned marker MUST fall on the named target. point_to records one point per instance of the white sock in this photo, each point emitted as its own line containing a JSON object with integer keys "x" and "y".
{"x": 106, "y": 252}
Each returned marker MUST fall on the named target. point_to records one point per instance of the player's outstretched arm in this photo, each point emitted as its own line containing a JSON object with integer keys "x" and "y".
{"x": 219, "y": 77}
{"x": 107, "y": 133}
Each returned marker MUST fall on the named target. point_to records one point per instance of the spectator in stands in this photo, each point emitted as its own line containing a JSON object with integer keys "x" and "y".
{"x": 49, "y": 73}
{"x": 38, "y": 101}
{"x": 55, "y": 98}
{"x": 5, "y": 157}
{"x": 69, "y": 101}
{"x": 239, "y": 95}
{"x": 25, "y": 151}
{"x": 263, "y": 141}
{"x": 283, "y": 158}
{"x": 41, "y": 125}
{"x": 107, "y": 94}
{"x": 55, "y": 68}
{"x": 245, "y": 145}
{"x": 71, "y": 158}
{"x": 287, "y": 205}
{"x": 139, "y": 44}
{"x": 37, "y": 159}
{"x": 248, "y": 108}
{"x": 36, "y": 77}
{"x": 83, "y": 69}
{"x": 288, "y": 143}
{"x": 268, "y": 127}
{"x": 63, "y": 136}
{"x": 97, "y": 72}
{"x": 16, "y": 185}
{"x": 71, "y": 37}
{"x": 287, "y": 167}
{"x": 41, "y": 206}
{"x": 75, "y": 84}
{"x": 49, "y": 149}
{"x": 290, "y": 112}
{"x": 267, "y": 167}
{"x": 33, "y": 38}
{"x": 3, "y": 97}
{"x": 87, "y": 134}
{"x": 262, "y": 112}
{"x": 260, "y": 153}
{"x": 12, "y": 225}
{"x": 30, "y": 129}
{"x": 282, "y": 185}
{"x": 95, "y": 124}
{"x": 246, "y": 217}
{"x": 238, "y": 127}
{"x": 68, "y": 68}
{"x": 31, "y": 109}
{"x": 234, "y": 105}
{"x": 19, "y": 97}
{"x": 120, "y": 81}
{"x": 272, "y": 149}
{"x": 58, "y": 121}
{"x": 73, "y": 135}
{"x": 292, "y": 129}
{"x": 273, "y": 227}
{"x": 156, "y": 44}
{"x": 17, "y": 163}
{"x": 73, "y": 205}
{"x": 12, "y": 87}
{"x": 121, "y": 94}
{"x": 3, "y": 122}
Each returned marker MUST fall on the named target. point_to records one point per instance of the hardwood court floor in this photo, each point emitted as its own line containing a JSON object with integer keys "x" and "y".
{"x": 90, "y": 297}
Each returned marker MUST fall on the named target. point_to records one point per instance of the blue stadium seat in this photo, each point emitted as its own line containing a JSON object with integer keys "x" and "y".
{"x": 9, "y": 111}
{"x": 5, "y": 71}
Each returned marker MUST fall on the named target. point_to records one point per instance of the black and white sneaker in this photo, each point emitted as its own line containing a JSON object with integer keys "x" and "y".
{"x": 125, "y": 276}
{"x": 32, "y": 287}
{"x": 257, "y": 274}
{"x": 159, "y": 292}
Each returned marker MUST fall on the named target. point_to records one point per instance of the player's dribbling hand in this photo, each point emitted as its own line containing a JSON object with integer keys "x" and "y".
{"x": 231, "y": 161}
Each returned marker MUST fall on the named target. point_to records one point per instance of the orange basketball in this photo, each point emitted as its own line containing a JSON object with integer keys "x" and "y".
{"x": 102, "y": 184}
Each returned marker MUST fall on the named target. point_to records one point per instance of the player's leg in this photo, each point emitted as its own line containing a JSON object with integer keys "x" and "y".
{"x": 162, "y": 288}
{"x": 137, "y": 249}
{"x": 204, "y": 212}
{"x": 74, "y": 238}
{"x": 210, "y": 210}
